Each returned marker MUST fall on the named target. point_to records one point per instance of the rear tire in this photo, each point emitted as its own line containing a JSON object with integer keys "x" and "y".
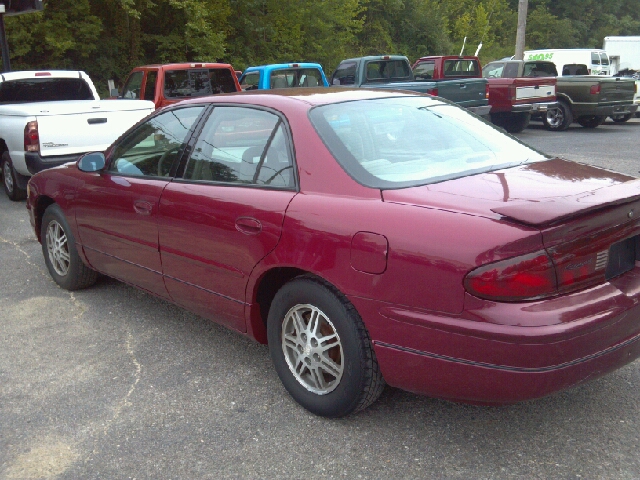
{"x": 511, "y": 122}
{"x": 622, "y": 118}
{"x": 558, "y": 119}
{"x": 60, "y": 254}
{"x": 591, "y": 121}
{"x": 10, "y": 180}
{"x": 321, "y": 349}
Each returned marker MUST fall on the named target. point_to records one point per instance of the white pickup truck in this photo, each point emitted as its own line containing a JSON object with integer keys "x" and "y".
{"x": 48, "y": 118}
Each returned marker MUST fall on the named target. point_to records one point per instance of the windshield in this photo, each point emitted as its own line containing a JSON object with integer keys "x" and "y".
{"x": 408, "y": 141}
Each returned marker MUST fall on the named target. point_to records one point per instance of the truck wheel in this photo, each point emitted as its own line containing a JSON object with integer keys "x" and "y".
{"x": 622, "y": 118}
{"x": 60, "y": 254}
{"x": 591, "y": 121}
{"x": 321, "y": 350}
{"x": 558, "y": 119}
{"x": 11, "y": 187}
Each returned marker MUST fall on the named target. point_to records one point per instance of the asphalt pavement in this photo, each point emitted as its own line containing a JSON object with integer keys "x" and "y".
{"x": 110, "y": 382}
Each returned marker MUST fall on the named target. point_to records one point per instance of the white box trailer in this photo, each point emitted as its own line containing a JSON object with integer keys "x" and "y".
{"x": 624, "y": 52}
{"x": 567, "y": 59}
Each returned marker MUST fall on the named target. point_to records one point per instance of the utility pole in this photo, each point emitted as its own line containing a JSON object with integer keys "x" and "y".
{"x": 522, "y": 26}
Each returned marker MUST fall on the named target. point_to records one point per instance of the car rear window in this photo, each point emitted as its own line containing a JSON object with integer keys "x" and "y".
{"x": 44, "y": 90}
{"x": 388, "y": 70}
{"x": 461, "y": 68}
{"x": 296, "y": 77}
{"x": 408, "y": 141}
{"x": 198, "y": 82}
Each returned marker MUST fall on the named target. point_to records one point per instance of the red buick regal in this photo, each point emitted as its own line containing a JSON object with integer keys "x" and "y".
{"x": 368, "y": 237}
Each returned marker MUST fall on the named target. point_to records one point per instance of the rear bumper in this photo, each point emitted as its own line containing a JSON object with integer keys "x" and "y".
{"x": 481, "y": 110}
{"x": 36, "y": 163}
{"x": 477, "y": 357}
{"x": 617, "y": 109}
{"x": 541, "y": 107}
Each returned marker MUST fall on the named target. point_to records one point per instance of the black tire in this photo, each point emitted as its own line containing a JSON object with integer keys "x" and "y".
{"x": 591, "y": 121}
{"x": 59, "y": 249}
{"x": 622, "y": 118}
{"x": 558, "y": 119}
{"x": 511, "y": 122}
{"x": 10, "y": 180}
{"x": 358, "y": 384}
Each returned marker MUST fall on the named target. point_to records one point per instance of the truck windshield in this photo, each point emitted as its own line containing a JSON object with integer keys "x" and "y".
{"x": 198, "y": 82}
{"x": 44, "y": 90}
{"x": 296, "y": 77}
{"x": 402, "y": 142}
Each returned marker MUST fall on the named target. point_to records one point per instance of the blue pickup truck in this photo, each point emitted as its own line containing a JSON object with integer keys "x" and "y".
{"x": 283, "y": 75}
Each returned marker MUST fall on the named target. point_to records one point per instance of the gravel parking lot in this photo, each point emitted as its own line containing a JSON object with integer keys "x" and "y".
{"x": 110, "y": 382}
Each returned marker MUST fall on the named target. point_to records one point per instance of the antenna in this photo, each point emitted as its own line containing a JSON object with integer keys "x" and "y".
{"x": 478, "y": 49}
{"x": 463, "y": 44}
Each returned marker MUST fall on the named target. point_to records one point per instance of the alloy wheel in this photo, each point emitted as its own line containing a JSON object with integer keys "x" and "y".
{"x": 58, "y": 248}
{"x": 8, "y": 177}
{"x": 312, "y": 349}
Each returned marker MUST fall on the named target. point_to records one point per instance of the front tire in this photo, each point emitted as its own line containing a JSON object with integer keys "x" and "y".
{"x": 60, "y": 254}
{"x": 321, "y": 349}
{"x": 9, "y": 175}
{"x": 558, "y": 119}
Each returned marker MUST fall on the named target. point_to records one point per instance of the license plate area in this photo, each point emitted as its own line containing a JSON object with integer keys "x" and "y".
{"x": 623, "y": 256}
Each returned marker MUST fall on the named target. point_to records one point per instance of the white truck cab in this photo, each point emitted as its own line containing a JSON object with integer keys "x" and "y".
{"x": 596, "y": 60}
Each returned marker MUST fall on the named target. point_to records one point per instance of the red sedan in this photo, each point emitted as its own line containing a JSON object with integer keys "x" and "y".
{"x": 367, "y": 237}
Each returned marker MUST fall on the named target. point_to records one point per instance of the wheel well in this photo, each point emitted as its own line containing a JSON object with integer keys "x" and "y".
{"x": 561, "y": 96}
{"x": 269, "y": 285}
{"x": 41, "y": 206}
{"x": 3, "y": 147}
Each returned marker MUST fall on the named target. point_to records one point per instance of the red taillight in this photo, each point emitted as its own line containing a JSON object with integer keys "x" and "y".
{"x": 433, "y": 91}
{"x": 521, "y": 278}
{"x": 595, "y": 89}
{"x": 31, "y": 137}
{"x": 486, "y": 91}
{"x": 43, "y": 74}
{"x": 512, "y": 93}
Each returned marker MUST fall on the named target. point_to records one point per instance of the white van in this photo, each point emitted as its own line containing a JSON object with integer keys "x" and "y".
{"x": 566, "y": 59}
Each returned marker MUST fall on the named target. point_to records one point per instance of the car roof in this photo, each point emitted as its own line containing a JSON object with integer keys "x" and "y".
{"x": 309, "y": 96}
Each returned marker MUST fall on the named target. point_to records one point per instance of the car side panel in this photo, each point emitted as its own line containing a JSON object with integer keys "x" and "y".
{"x": 211, "y": 238}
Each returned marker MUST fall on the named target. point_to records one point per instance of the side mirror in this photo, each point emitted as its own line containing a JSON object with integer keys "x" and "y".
{"x": 115, "y": 93}
{"x": 92, "y": 162}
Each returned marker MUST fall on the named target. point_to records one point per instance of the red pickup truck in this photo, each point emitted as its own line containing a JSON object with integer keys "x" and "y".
{"x": 517, "y": 90}
{"x": 170, "y": 83}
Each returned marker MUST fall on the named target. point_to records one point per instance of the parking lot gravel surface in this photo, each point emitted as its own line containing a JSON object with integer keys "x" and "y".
{"x": 110, "y": 382}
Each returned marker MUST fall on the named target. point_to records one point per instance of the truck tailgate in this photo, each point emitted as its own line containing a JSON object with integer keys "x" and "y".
{"x": 617, "y": 90}
{"x": 535, "y": 89}
{"x": 76, "y": 127}
{"x": 467, "y": 92}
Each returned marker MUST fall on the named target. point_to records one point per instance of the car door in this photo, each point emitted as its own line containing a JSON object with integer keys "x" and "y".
{"x": 117, "y": 208}
{"x": 226, "y": 212}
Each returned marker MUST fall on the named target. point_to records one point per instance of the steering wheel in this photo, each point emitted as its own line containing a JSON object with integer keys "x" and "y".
{"x": 167, "y": 157}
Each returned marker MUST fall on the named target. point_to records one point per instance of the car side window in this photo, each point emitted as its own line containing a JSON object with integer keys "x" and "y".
{"x": 151, "y": 149}
{"x": 242, "y": 146}
{"x": 250, "y": 81}
{"x": 150, "y": 86}
{"x": 132, "y": 88}
{"x": 424, "y": 70}
{"x": 345, "y": 74}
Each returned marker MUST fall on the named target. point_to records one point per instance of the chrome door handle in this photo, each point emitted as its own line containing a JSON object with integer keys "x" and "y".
{"x": 248, "y": 225}
{"x": 142, "y": 207}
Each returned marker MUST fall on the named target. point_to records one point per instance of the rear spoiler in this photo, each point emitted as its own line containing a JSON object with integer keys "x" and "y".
{"x": 557, "y": 210}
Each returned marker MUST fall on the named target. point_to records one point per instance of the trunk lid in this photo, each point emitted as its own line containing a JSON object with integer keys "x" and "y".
{"x": 589, "y": 218}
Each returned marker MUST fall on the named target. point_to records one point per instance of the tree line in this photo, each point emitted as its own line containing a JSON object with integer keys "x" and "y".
{"x": 106, "y": 38}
